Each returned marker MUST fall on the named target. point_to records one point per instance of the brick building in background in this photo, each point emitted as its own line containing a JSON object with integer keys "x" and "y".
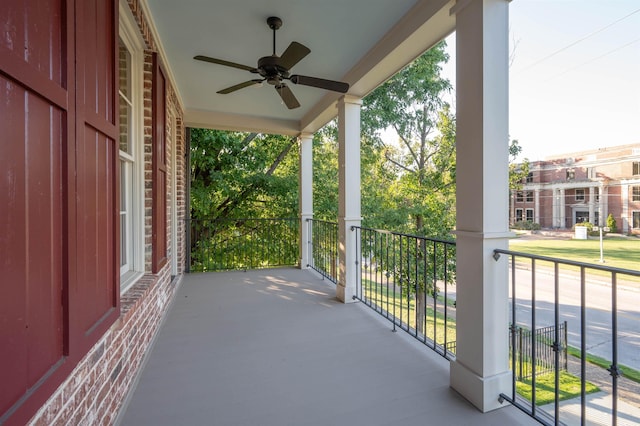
{"x": 585, "y": 186}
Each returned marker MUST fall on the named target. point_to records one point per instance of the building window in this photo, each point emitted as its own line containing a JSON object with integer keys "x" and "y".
{"x": 519, "y": 215}
{"x": 529, "y": 196}
{"x": 529, "y": 213}
{"x": 579, "y": 194}
{"x": 597, "y": 194}
{"x": 519, "y": 196}
{"x": 130, "y": 66}
{"x": 636, "y": 219}
{"x": 571, "y": 174}
{"x": 635, "y": 195}
{"x": 636, "y": 168}
{"x": 529, "y": 178}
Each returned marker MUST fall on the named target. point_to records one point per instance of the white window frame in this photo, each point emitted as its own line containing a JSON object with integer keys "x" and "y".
{"x": 635, "y": 193}
{"x": 130, "y": 37}
{"x": 519, "y": 215}
{"x": 529, "y": 213}
{"x": 581, "y": 197}
{"x": 635, "y": 213}
{"x": 529, "y": 196}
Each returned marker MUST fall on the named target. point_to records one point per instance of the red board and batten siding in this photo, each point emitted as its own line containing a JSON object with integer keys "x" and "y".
{"x": 58, "y": 162}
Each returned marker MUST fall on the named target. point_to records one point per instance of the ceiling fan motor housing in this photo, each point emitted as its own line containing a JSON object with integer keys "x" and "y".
{"x": 269, "y": 67}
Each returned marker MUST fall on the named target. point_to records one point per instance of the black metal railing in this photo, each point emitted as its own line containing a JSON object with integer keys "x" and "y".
{"x": 550, "y": 291}
{"x": 241, "y": 244}
{"x": 323, "y": 243}
{"x": 521, "y": 348}
{"x": 405, "y": 278}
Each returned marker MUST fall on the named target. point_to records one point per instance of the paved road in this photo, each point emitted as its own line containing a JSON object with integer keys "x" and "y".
{"x": 599, "y": 338}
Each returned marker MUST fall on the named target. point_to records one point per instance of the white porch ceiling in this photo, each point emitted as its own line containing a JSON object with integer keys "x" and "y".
{"x": 362, "y": 42}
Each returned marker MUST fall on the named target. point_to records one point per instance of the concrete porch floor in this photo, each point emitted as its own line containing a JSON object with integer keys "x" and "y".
{"x": 275, "y": 347}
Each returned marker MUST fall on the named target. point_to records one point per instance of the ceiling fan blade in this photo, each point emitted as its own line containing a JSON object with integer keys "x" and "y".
{"x": 239, "y": 86}
{"x": 293, "y": 54}
{"x": 336, "y": 86}
{"x": 225, "y": 63}
{"x": 287, "y": 96}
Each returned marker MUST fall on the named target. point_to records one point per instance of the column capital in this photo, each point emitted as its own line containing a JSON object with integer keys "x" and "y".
{"x": 350, "y": 99}
{"x": 305, "y": 135}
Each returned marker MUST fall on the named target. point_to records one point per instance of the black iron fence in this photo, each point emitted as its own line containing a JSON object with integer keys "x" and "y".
{"x": 544, "y": 356}
{"x": 544, "y": 288}
{"x": 324, "y": 248}
{"x": 240, "y": 244}
{"x": 404, "y": 278}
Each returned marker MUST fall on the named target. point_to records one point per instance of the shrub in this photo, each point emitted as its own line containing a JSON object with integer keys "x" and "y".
{"x": 527, "y": 225}
{"x": 611, "y": 223}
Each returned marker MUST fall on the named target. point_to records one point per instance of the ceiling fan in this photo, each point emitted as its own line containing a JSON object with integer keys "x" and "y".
{"x": 274, "y": 70}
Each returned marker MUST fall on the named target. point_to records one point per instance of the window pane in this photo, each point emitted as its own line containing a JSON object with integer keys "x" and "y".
{"x": 123, "y": 239}
{"x": 125, "y": 70}
{"x": 123, "y": 213}
{"x": 125, "y": 99}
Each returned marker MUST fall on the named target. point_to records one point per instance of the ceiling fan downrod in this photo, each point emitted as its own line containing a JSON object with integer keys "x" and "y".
{"x": 274, "y": 23}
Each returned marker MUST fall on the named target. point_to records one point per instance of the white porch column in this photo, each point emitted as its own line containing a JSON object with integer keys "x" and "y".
{"x": 512, "y": 208}
{"x": 592, "y": 207}
{"x": 563, "y": 210}
{"x": 554, "y": 209}
{"x": 481, "y": 370}
{"x": 624, "y": 199}
{"x": 348, "y": 194}
{"x": 602, "y": 196}
{"x": 305, "y": 203}
{"x": 536, "y": 206}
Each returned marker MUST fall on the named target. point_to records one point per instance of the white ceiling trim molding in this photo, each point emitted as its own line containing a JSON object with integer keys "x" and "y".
{"x": 242, "y": 123}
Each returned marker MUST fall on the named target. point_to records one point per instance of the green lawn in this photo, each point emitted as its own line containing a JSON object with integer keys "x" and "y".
{"x": 545, "y": 386}
{"x": 619, "y": 252}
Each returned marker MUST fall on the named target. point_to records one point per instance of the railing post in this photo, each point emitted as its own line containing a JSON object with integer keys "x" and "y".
{"x": 519, "y": 352}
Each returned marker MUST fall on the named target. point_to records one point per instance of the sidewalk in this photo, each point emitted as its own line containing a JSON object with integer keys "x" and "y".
{"x": 598, "y": 405}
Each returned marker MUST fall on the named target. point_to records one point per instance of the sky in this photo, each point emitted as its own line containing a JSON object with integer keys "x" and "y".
{"x": 574, "y": 79}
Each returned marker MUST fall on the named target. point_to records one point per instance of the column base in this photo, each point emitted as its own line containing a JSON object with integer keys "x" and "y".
{"x": 345, "y": 294}
{"x": 483, "y": 392}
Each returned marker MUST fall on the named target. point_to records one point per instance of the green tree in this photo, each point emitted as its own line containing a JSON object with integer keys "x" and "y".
{"x": 518, "y": 172}
{"x": 411, "y": 103}
{"x": 242, "y": 175}
{"x": 235, "y": 176}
